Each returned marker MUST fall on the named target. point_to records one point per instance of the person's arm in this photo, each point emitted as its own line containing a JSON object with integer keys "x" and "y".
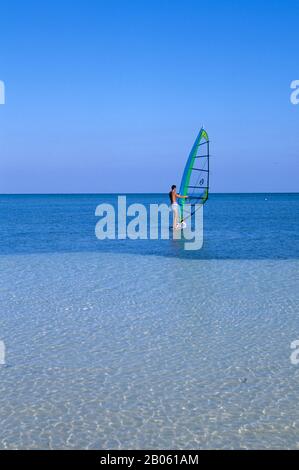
{"x": 181, "y": 197}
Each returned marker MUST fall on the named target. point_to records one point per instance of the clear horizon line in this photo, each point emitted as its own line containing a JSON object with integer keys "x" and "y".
{"x": 143, "y": 193}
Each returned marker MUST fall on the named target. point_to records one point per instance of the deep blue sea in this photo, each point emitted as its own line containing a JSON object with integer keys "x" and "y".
{"x": 121, "y": 344}
{"x": 236, "y": 226}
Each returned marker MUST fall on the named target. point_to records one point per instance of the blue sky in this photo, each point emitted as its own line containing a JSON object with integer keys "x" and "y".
{"x": 108, "y": 96}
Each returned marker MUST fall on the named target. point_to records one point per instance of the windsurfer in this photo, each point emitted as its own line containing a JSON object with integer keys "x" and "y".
{"x": 173, "y": 196}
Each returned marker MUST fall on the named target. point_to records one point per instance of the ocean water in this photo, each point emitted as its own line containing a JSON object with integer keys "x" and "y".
{"x": 123, "y": 344}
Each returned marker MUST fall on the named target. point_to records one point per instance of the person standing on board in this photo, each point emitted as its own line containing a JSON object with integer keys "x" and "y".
{"x": 173, "y": 196}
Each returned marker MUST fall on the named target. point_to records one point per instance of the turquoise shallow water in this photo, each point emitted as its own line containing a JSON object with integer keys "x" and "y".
{"x": 142, "y": 345}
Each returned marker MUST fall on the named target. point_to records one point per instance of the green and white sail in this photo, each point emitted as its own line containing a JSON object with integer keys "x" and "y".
{"x": 195, "y": 180}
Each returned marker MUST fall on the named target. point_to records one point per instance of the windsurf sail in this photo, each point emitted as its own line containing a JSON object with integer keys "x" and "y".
{"x": 195, "y": 180}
